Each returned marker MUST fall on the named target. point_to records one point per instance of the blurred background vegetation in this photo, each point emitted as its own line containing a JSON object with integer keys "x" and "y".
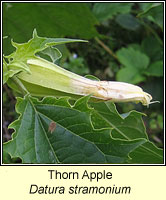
{"x": 125, "y": 44}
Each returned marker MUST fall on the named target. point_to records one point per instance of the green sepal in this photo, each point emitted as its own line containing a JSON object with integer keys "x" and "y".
{"x": 28, "y": 50}
{"x": 17, "y": 61}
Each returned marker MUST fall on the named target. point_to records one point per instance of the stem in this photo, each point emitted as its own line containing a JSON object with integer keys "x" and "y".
{"x": 106, "y": 48}
{"x": 19, "y": 84}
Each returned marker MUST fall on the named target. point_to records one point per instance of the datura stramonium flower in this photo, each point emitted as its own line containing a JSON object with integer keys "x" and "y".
{"x": 47, "y": 77}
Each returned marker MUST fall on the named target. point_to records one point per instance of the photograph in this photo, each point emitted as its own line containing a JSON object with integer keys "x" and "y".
{"x": 83, "y": 83}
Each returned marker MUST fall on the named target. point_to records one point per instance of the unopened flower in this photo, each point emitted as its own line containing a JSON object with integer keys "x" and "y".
{"x": 52, "y": 78}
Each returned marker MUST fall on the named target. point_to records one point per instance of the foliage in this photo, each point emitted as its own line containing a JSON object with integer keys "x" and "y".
{"x": 52, "y": 19}
{"x": 77, "y": 65}
{"x": 104, "y": 11}
{"x": 154, "y": 12}
{"x": 78, "y": 125}
{"x": 133, "y": 33}
{"x": 135, "y": 63}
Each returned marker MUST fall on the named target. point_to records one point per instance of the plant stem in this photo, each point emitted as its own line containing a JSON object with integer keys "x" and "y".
{"x": 106, "y": 48}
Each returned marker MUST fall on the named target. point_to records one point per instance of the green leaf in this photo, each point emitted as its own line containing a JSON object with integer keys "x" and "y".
{"x": 135, "y": 46}
{"x": 129, "y": 127}
{"x": 129, "y": 75}
{"x": 104, "y": 11}
{"x": 51, "y": 19}
{"x": 128, "y": 21}
{"x": 148, "y": 153}
{"x": 82, "y": 104}
{"x": 145, "y": 6}
{"x": 135, "y": 63}
{"x": 73, "y": 140}
{"x": 154, "y": 13}
{"x": 151, "y": 47}
{"x": 7, "y": 159}
{"x": 132, "y": 58}
{"x": 155, "y": 69}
